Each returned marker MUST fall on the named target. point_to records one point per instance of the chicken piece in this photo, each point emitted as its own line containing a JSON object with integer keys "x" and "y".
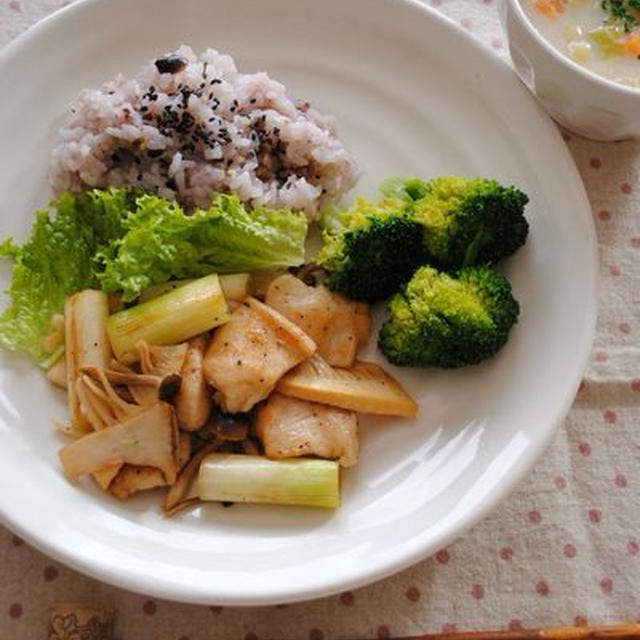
{"x": 337, "y": 325}
{"x": 341, "y": 341}
{"x": 310, "y": 308}
{"x": 289, "y": 428}
{"x": 250, "y": 353}
{"x": 362, "y": 323}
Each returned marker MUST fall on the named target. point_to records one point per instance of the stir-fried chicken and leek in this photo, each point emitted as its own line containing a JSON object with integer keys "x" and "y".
{"x": 257, "y": 399}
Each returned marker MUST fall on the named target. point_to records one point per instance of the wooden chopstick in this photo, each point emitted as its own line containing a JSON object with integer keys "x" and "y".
{"x": 625, "y": 631}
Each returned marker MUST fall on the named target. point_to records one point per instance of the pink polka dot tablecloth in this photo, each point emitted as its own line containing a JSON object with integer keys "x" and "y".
{"x": 564, "y": 549}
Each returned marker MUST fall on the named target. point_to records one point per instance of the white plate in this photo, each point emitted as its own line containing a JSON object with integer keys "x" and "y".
{"x": 413, "y": 95}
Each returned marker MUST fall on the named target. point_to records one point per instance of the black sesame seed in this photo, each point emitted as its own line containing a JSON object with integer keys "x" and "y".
{"x": 170, "y": 64}
{"x": 253, "y": 100}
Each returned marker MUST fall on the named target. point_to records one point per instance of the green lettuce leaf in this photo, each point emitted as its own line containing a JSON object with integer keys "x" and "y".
{"x": 56, "y": 261}
{"x": 120, "y": 241}
{"x": 162, "y": 242}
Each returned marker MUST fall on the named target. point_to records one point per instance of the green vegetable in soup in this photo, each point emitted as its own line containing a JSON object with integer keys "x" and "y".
{"x": 608, "y": 40}
{"x": 624, "y": 12}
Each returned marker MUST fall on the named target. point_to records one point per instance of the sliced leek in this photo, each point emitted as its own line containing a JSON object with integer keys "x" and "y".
{"x": 235, "y": 286}
{"x": 230, "y": 477}
{"x": 170, "y": 318}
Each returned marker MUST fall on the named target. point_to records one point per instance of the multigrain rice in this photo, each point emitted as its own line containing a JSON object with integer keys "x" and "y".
{"x": 188, "y": 127}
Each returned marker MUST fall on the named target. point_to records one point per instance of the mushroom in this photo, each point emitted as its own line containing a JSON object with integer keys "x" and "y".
{"x": 133, "y": 478}
{"x": 149, "y": 438}
{"x": 193, "y": 401}
{"x": 99, "y": 400}
{"x": 161, "y": 360}
{"x": 229, "y": 428}
{"x": 178, "y": 490}
{"x": 142, "y": 387}
{"x": 183, "y": 454}
{"x": 130, "y": 479}
{"x": 86, "y": 343}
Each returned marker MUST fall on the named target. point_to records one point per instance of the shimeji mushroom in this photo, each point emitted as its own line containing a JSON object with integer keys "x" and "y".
{"x": 100, "y": 402}
{"x": 143, "y": 388}
{"x": 177, "y": 498}
{"x": 149, "y": 438}
{"x": 193, "y": 401}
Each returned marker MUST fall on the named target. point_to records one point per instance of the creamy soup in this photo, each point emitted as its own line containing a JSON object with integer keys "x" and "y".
{"x": 601, "y": 35}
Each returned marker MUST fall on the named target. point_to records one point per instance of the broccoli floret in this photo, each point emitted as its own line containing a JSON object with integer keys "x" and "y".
{"x": 407, "y": 189}
{"x": 370, "y": 250}
{"x": 466, "y": 221}
{"x": 447, "y": 321}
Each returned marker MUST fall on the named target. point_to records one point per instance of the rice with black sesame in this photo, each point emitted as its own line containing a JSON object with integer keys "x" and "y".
{"x": 187, "y": 127}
